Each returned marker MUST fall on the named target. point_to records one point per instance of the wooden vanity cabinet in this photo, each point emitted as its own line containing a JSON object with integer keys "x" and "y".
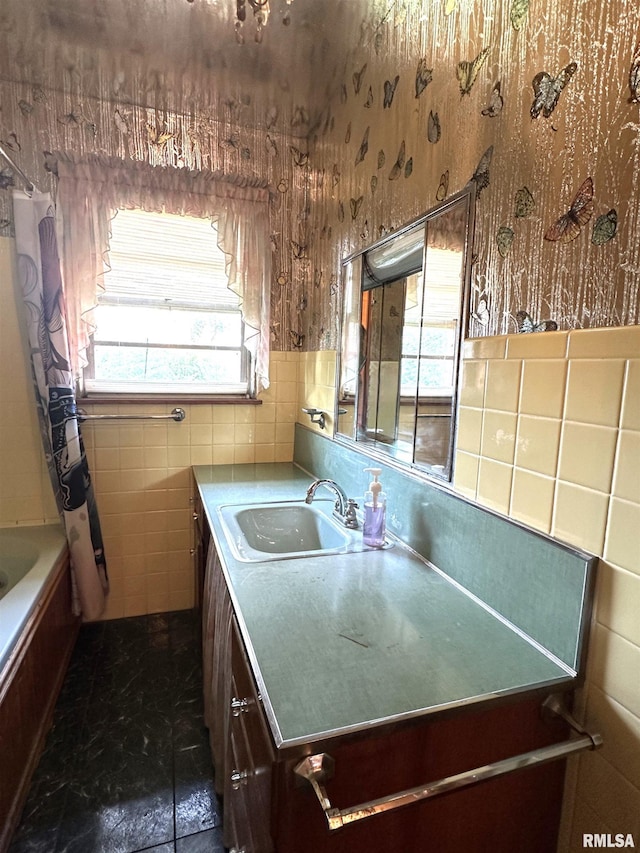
{"x": 269, "y": 809}
{"x": 518, "y": 812}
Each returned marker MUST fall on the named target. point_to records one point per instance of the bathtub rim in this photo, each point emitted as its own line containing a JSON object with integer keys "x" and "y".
{"x": 24, "y": 598}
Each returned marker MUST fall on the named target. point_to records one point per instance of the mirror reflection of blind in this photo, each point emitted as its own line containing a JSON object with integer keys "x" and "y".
{"x": 443, "y": 280}
{"x": 397, "y": 258}
{"x": 165, "y": 259}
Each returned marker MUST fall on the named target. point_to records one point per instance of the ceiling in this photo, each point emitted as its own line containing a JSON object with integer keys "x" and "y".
{"x": 179, "y": 53}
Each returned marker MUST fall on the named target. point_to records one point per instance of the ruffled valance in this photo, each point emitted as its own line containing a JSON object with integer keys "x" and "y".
{"x": 92, "y": 189}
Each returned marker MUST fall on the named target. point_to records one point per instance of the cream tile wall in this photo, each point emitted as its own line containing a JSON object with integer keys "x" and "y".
{"x": 549, "y": 434}
{"x": 26, "y": 496}
{"x": 141, "y": 470}
{"x": 142, "y": 477}
{"x": 317, "y": 388}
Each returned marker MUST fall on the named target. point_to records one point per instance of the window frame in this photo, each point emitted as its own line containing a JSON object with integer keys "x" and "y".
{"x": 109, "y": 391}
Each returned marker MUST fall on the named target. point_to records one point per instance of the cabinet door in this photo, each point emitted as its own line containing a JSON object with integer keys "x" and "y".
{"x": 201, "y": 540}
{"x": 237, "y": 814}
{"x": 216, "y": 662}
{"x": 516, "y": 813}
{"x": 247, "y": 793}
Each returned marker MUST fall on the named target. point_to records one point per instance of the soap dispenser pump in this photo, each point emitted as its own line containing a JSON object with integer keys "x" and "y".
{"x": 375, "y": 506}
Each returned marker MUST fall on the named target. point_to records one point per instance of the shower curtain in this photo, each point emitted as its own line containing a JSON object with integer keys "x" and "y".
{"x": 41, "y": 283}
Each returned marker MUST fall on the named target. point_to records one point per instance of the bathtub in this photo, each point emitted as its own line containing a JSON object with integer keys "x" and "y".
{"x": 28, "y": 555}
{"x": 37, "y": 635}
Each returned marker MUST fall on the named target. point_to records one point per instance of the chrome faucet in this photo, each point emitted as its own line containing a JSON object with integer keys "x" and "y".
{"x": 344, "y": 509}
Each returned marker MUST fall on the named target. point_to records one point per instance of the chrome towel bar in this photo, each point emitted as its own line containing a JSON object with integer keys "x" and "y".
{"x": 318, "y": 768}
{"x": 175, "y": 415}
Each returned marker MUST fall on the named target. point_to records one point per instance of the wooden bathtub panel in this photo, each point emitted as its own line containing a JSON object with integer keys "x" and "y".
{"x": 30, "y": 685}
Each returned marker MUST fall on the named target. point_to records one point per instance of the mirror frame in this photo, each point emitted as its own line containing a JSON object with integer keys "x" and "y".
{"x": 468, "y": 193}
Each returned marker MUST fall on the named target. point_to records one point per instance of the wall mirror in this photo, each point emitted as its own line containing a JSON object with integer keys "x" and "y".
{"x": 404, "y": 317}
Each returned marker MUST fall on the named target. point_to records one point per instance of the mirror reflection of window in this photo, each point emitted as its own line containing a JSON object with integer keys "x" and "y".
{"x": 350, "y": 348}
{"x": 436, "y": 378}
{"x": 382, "y": 321}
{"x": 403, "y": 321}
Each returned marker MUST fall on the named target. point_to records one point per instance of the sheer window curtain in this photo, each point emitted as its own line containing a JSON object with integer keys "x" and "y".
{"x": 92, "y": 189}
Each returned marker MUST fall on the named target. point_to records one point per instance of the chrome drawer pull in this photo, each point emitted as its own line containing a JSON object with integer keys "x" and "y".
{"x": 239, "y": 778}
{"x": 316, "y": 769}
{"x": 239, "y": 706}
{"x": 238, "y": 850}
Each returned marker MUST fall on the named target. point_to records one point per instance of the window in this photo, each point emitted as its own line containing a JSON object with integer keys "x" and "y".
{"x": 166, "y": 321}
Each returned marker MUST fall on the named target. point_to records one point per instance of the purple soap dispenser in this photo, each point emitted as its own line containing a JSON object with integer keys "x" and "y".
{"x": 375, "y": 508}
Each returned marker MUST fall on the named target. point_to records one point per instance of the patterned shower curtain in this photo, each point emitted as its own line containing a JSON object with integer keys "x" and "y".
{"x": 41, "y": 283}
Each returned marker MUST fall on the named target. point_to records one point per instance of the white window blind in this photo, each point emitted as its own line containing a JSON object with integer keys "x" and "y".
{"x": 161, "y": 257}
{"x": 166, "y": 320}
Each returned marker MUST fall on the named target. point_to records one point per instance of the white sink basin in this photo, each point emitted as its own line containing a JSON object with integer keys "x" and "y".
{"x": 286, "y": 529}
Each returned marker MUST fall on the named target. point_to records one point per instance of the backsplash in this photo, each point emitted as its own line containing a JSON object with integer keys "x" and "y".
{"x": 519, "y": 574}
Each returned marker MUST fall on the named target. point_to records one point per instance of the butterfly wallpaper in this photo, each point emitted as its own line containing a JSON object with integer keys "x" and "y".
{"x": 397, "y": 106}
{"x": 548, "y": 135}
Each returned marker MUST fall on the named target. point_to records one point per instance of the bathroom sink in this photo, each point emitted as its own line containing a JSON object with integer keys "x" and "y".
{"x": 283, "y": 530}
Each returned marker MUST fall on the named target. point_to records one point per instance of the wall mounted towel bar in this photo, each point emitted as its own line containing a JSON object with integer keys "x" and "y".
{"x": 174, "y": 415}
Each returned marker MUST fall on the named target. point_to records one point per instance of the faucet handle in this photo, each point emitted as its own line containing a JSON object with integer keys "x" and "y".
{"x": 350, "y": 519}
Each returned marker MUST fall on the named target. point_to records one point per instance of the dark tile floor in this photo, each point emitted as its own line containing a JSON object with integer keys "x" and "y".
{"x": 127, "y": 765}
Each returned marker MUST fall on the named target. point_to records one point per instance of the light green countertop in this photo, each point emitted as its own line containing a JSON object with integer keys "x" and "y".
{"x": 343, "y": 642}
